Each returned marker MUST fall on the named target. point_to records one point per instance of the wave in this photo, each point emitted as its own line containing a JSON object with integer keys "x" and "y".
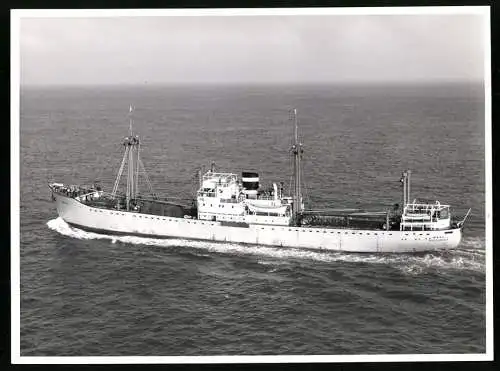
{"x": 470, "y": 255}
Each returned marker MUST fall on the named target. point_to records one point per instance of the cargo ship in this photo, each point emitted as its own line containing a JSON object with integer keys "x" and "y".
{"x": 229, "y": 208}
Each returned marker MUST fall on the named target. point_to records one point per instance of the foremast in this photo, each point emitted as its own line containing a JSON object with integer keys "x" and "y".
{"x": 131, "y": 159}
{"x": 297, "y": 152}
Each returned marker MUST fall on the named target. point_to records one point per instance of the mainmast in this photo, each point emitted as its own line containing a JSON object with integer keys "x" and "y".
{"x": 297, "y": 152}
{"x": 133, "y": 169}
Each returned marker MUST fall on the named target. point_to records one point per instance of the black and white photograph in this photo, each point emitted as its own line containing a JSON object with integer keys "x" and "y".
{"x": 251, "y": 185}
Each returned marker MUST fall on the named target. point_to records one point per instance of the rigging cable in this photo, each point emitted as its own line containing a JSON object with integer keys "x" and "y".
{"x": 137, "y": 170}
{"x": 147, "y": 179}
{"x": 115, "y": 188}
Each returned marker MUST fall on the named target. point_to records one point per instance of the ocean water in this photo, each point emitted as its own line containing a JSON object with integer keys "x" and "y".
{"x": 87, "y": 294}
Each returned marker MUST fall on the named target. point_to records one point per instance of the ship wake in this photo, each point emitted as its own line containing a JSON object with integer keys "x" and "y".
{"x": 470, "y": 255}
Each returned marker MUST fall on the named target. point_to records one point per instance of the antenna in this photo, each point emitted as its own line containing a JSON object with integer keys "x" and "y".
{"x": 131, "y": 109}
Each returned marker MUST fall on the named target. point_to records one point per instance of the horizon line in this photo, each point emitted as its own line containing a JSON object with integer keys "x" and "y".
{"x": 243, "y": 84}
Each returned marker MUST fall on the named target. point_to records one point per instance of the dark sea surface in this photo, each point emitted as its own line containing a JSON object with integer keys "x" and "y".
{"x": 85, "y": 294}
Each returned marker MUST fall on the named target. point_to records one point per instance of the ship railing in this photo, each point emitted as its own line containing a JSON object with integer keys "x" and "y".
{"x": 74, "y": 191}
{"x": 266, "y": 198}
{"x": 92, "y": 193}
{"x": 418, "y": 221}
{"x": 417, "y": 216}
{"x": 206, "y": 194}
{"x": 422, "y": 207}
{"x": 422, "y": 227}
{"x": 143, "y": 198}
{"x": 345, "y": 212}
{"x": 220, "y": 176}
{"x": 229, "y": 200}
{"x": 261, "y": 213}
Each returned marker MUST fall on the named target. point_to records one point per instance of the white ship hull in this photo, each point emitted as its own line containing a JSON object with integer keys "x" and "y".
{"x": 348, "y": 240}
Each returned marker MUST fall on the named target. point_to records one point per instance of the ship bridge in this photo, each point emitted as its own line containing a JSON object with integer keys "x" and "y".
{"x": 218, "y": 185}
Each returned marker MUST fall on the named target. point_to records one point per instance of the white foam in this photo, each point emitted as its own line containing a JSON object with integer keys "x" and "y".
{"x": 465, "y": 258}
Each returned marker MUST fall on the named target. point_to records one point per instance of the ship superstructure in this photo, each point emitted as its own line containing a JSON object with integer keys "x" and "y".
{"x": 225, "y": 197}
{"x": 229, "y": 208}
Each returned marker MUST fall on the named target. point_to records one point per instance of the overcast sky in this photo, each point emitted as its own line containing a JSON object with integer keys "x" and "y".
{"x": 252, "y": 49}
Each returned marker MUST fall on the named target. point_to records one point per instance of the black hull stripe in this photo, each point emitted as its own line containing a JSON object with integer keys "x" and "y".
{"x": 118, "y": 233}
{"x": 156, "y": 236}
